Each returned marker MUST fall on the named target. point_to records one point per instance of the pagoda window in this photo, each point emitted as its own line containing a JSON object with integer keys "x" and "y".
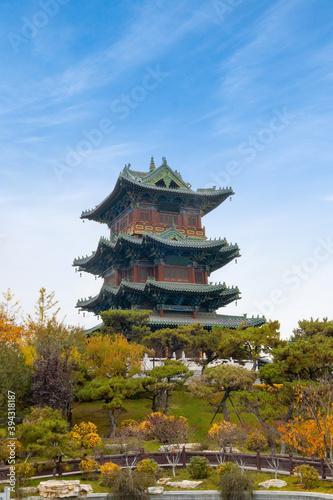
{"x": 168, "y": 219}
{"x": 192, "y": 221}
{"x": 123, "y": 224}
{"x": 131, "y": 274}
{"x": 144, "y": 216}
{"x": 145, "y": 272}
{"x": 198, "y": 276}
{"x": 131, "y": 217}
{"x": 111, "y": 279}
{"x": 176, "y": 273}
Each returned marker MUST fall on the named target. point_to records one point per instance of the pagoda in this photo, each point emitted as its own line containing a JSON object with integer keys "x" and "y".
{"x": 158, "y": 257}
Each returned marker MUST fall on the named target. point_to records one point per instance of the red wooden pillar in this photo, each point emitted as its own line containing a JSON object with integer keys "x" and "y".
{"x": 135, "y": 217}
{"x": 195, "y": 314}
{"x": 191, "y": 275}
{"x": 160, "y": 273}
{"x": 161, "y": 315}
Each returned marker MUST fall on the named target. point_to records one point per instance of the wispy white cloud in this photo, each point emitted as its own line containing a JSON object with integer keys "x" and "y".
{"x": 142, "y": 42}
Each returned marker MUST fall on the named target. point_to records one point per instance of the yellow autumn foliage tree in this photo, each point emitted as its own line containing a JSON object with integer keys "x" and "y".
{"x": 10, "y": 331}
{"x": 311, "y": 430}
{"x": 113, "y": 356}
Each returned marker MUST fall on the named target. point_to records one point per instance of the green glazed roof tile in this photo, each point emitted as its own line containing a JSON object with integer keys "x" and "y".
{"x": 207, "y": 319}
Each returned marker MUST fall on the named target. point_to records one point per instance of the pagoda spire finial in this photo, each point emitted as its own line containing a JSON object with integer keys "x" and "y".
{"x": 152, "y": 165}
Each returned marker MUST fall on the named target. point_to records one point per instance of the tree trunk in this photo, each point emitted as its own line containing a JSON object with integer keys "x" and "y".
{"x": 283, "y": 447}
{"x": 225, "y": 411}
{"x": 159, "y": 400}
{"x": 209, "y": 359}
{"x": 60, "y": 467}
{"x": 222, "y": 405}
{"x": 112, "y": 423}
{"x": 167, "y": 400}
{"x": 154, "y": 405}
{"x": 329, "y": 464}
{"x": 54, "y": 470}
{"x": 69, "y": 414}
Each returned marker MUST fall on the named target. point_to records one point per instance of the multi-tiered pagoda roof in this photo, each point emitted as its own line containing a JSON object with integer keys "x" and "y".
{"x": 123, "y": 248}
{"x": 157, "y": 256}
{"x": 160, "y": 184}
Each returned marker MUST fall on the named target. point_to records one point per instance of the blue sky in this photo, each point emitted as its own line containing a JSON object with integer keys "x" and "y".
{"x": 233, "y": 93}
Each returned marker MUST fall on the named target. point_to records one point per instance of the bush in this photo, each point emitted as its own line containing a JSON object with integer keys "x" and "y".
{"x": 225, "y": 467}
{"x": 108, "y": 471}
{"x": 308, "y": 476}
{"x": 129, "y": 428}
{"x": 127, "y": 485}
{"x": 205, "y": 445}
{"x": 148, "y": 466}
{"x": 236, "y": 486}
{"x": 225, "y": 434}
{"x": 23, "y": 472}
{"x": 147, "y": 471}
{"x": 167, "y": 429}
{"x": 68, "y": 467}
{"x": 257, "y": 442}
{"x": 144, "y": 428}
{"x": 5, "y": 450}
{"x": 130, "y": 422}
{"x": 88, "y": 466}
{"x": 199, "y": 468}
{"x": 86, "y": 435}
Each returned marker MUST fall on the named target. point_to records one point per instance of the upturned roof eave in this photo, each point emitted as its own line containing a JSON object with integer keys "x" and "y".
{"x": 185, "y": 244}
{"x": 188, "y": 288}
{"x": 95, "y": 256}
{"x": 91, "y": 301}
{"x": 219, "y": 320}
{"x": 223, "y": 193}
{"x": 226, "y": 321}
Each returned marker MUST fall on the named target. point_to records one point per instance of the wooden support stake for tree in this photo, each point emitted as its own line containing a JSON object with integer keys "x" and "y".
{"x": 258, "y": 461}
{"x": 184, "y": 457}
{"x": 291, "y": 464}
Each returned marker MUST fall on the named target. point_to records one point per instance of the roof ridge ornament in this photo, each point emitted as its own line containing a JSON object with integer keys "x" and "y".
{"x": 152, "y": 166}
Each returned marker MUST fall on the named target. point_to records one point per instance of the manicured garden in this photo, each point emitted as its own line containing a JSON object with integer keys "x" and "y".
{"x": 210, "y": 483}
{"x": 198, "y": 413}
{"x": 78, "y": 396}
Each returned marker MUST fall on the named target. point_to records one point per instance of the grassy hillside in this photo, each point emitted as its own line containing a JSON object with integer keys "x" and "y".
{"x": 183, "y": 403}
